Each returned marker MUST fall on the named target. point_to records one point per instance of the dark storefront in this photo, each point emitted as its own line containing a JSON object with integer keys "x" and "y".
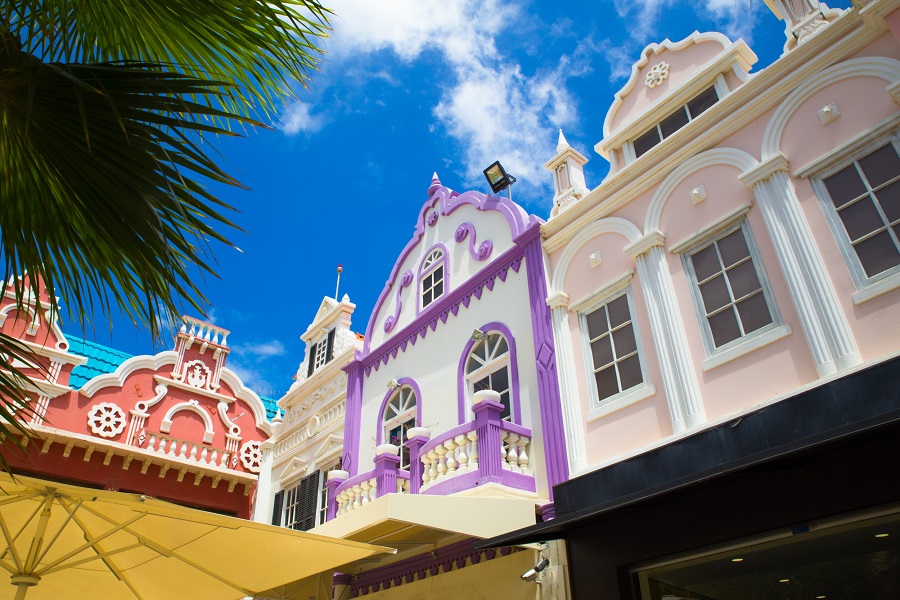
{"x": 798, "y": 500}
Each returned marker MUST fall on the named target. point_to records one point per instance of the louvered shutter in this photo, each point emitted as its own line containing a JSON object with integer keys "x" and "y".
{"x": 329, "y": 347}
{"x": 276, "y": 508}
{"x": 309, "y": 491}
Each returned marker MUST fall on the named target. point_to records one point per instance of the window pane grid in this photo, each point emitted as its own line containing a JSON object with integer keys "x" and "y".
{"x": 878, "y": 207}
{"x": 321, "y": 354}
{"x": 675, "y": 121}
{"x": 605, "y": 386}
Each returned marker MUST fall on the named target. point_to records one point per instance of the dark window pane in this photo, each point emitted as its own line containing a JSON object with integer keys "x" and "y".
{"x": 703, "y": 101}
{"x": 482, "y": 384}
{"x": 602, "y": 352}
{"x": 439, "y": 289}
{"x": 674, "y": 122}
{"x": 861, "y": 218}
{"x": 844, "y": 186}
{"x": 500, "y": 380}
{"x": 501, "y": 347}
{"x": 618, "y": 311}
{"x": 504, "y": 399}
{"x": 754, "y": 313}
{"x": 597, "y": 323}
{"x": 743, "y": 279}
{"x": 472, "y": 364}
{"x": 724, "y": 327}
{"x": 630, "y": 372}
{"x": 889, "y": 198}
{"x": 624, "y": 341}
{"x": 880, "y": 166}
{"x": 733, "y": 247}
{"x": 706, "y": 263}
{"x": 877, "y": 254}
{"x": 646, "y": 141}
{"x": 715, "y": 294}
{"x": 607, "y": 385}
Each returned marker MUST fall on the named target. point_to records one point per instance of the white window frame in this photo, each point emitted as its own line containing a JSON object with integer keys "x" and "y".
{"x": 717, "y": 356}
{"x": 621, "y": 286}
{"x": 428, "y": 269}
{"x": 399, "y": 418}
{"x": 867, "y": 287}
{"x": 294, "y": 490}
{"x": 717, "y": 86}
{"x": 493, "y": 365}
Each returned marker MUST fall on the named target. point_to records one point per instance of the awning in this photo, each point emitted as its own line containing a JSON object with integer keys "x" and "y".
{"x": 65, "y": 541}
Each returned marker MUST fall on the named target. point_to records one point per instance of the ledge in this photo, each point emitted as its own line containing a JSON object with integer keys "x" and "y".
{"x": 873, "y": 290}
{"x": 622, "y": 400}
{"x": 754, "y": 343}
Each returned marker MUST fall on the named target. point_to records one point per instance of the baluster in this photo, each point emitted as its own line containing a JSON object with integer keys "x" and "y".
{"x": 213, "y": 456}
{"x": 360, "y": 494}
{"x": 204, "y": 455}
{"x": 462, "y": 457}
{"x": 373, "y": 490}
{"x": 473, "y": 450}
{"x": 450, "y": 445}
{"x": 433, "y": 472}
{"x": 151, "y": 443}
{"x": 523, "y": 444}
{"x": 442, "y": 461}
{"x": 225, "y": 457}
{"x": 399, "y": 485}
{"x": 193, "y": 454}
{"x": 512, "y": 457}
{"x": 503, "y": 445}
{"x": 173, "y": 447}
{"x": 426, "y": 468}
{"x": 183, "y": 453}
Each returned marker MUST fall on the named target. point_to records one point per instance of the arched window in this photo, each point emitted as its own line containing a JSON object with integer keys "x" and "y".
{"x": 431, "y": 275}
{"x": 399, "y": 415}
{"x": 487, "y": 368}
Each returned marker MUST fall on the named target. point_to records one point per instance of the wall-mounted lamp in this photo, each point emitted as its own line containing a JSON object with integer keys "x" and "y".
{"x": 532, "y": 574}
{"x": 478, "y": 335}
{"x": 392, "y": 384}
{"x": 499, "y": 179}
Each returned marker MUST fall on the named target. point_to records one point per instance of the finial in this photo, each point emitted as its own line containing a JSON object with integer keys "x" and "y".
{"x": 337, "y": 286}
{"x": 435, "y": 184}
{"x": 562, "y": 144}
{"x": 277, "y": 418}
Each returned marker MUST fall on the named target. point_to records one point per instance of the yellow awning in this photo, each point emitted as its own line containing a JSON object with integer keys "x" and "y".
{"x": 65, "y": 541}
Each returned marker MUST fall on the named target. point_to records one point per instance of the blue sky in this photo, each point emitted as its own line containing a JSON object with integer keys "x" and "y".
{"x": 408, "y": 87}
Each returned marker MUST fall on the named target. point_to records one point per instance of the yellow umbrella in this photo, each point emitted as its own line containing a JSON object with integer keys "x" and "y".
{"x": 65, "y": 541}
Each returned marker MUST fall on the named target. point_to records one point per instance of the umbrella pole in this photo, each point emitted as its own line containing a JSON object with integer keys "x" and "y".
{"x": 22, "y": 583}
{"x": 21, "y": 591}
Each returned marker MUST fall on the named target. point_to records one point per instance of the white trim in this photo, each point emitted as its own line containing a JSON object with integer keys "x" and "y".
{"x": 117, "y": 378}
{"x": 872, "y": 66}
{"x": 882, "y": 286}
{"x": 602, "y": 294}
{"x": 193, "y": 406}
{"x": 649, "y": 240}
{"x": 846, "y": 151}
{"x": 712, "y": 230}
{"x": 755, "y": 342}
{"x": 623, "y": 227}
{"x": 717, "y": 156}
{"x": 622, "y": 400}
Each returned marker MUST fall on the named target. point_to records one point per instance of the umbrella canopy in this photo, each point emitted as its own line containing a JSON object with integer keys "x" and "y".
{"x": 65, "y": 541}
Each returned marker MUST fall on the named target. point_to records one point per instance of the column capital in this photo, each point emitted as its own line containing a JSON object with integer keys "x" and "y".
{"x": 558, "y": 300}
{"x": 650, "y": 239}
{"x": 764, "y": 170}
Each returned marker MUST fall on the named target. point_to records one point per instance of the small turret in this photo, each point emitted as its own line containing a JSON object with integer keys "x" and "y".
{"x": 568, "y": 176}
{"x": 802, "y": 19}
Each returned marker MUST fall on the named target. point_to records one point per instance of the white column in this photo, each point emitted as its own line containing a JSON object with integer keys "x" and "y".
{"x": 262, "y": 509}
{"x": 565, "y": 368}
{"x": 824, "y": 323}
{"x": 675, "y": 363}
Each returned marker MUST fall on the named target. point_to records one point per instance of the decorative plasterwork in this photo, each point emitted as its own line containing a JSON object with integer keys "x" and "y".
{"x": 872, "y": 66}
{"x": 712, "y": 230}
{"x": 300, "y": 436}
{"x": 468, "y": 230}
{"x": 194, "y": 407}
{"x": 618, "y": 225}
{"x": 251, "y": 456}
{"x": 717, "y": 156}
{"x": 698, "y": 195}
{"x": 445, "y": 201}
{"x": 657, "y": 74}
{"x": 843, "y": 152}
{"x": 106, "y": 419}
{"x": 649, "y": 240}
{"x": 606, "y": 291}
{"x": 391, "y": 321}
{"x": 595, "y": 259}
{"x": 117, "y": 378}
{"x": 828, "y": 113}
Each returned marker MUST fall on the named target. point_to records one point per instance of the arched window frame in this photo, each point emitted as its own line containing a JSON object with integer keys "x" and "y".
{"x": 464, "y": 385}
{"x": 405, "y": 383}
{"x": 428, "y": 269}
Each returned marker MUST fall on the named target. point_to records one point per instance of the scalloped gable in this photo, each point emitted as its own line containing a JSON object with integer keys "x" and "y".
{"x": 442, "y": 202}
{"x": 666, "y": 66}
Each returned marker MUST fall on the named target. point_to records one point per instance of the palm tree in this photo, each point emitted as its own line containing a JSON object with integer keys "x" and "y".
{"x": 105, "y": 108}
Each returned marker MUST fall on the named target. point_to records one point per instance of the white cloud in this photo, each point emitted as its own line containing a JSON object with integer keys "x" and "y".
{"x": 298, "y": 118}
{"x": 259, "y": 351}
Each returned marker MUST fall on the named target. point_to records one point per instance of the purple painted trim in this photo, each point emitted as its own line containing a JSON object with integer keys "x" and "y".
{"x": 445, "y": 261}
{"x": 466, "y": 481}
{"x": 448, "y": 305}
{"x": 391, "y": 321}
{"x": 428, "y": 564}
{"x": 487, "y": 420}
{"x": 386, "y": 470}
{"x": 332, "y": 486}
{"x": 462, "y": 387}
{"x": 446, "y": 201}
{"x": 548, "y": 512}
{"x": 450, "y": 433}
{"x": 348, "y": 483}
{"x": 352, "y": 417}
{"x": 415, "y": 463}
{"x": 379, "y": 435}
{"x": 484, "y": 250}
{"x": 555, "y": 453}
{"x": 514, "y": 428}
{"x": 518, "y": 481}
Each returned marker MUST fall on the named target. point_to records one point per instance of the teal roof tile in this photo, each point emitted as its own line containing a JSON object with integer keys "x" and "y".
{"x": 101, "y": 360}
{"x": 271, "y": 406}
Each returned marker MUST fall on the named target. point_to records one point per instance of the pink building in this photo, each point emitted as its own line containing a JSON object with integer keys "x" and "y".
{"x": 727, "y": 323}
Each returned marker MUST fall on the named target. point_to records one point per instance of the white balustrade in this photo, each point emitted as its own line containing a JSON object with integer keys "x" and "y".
{"x": 357, "y": 495}
{"x": 514, "y": 452}
{"x": 455, "y": 456}
{"x": 188, "y": 451}
{"x": 204, "y": 331}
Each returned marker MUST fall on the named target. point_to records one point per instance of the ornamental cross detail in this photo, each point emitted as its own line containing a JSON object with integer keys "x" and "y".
{"x": 657, "y": 74}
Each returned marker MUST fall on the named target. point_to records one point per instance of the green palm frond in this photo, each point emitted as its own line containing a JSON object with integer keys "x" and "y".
{"x": 16, "y": 360}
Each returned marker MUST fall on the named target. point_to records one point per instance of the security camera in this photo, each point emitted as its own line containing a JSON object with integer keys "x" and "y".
{"x": 532, "y": 574}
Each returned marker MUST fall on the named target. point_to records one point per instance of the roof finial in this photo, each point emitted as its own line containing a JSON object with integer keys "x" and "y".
{"x": 435, "y": 184}
{"x": 562, "y": 144}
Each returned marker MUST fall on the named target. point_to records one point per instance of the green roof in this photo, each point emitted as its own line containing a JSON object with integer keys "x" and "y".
{"x": 101, "y": 360}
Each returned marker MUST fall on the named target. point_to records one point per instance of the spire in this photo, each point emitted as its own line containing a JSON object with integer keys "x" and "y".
{"x": 562, "y": 144}
{"x": 435, "y": 184}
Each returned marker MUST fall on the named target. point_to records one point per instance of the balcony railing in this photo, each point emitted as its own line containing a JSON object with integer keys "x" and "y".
{"x": 485, "y": 450}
